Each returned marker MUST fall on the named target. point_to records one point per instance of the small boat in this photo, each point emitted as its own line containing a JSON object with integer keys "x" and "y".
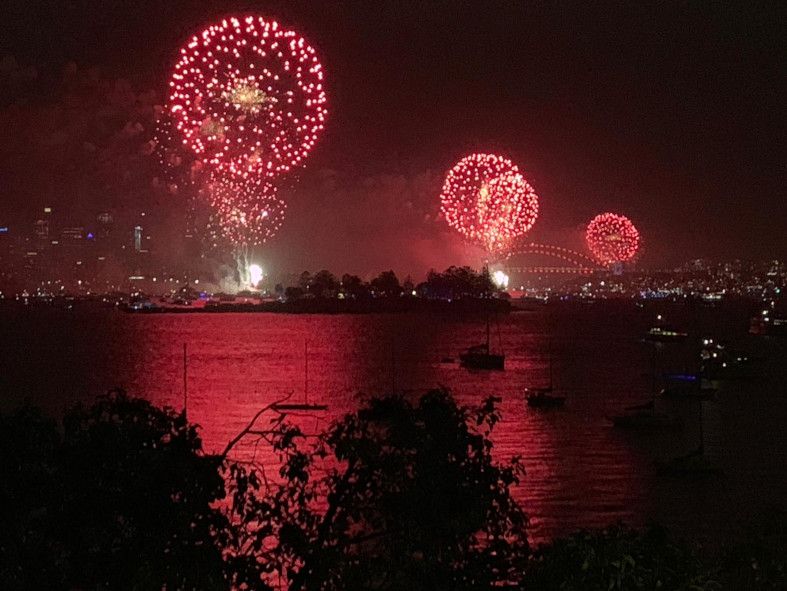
{"x": 695, "y": 463}
{"x": 281, "y": 406}
{"x": 644, "y": 416}
{"x": 688, "y": 394}
{"x": 649, "y": 405}
{"x": 688, "y": 386}
{"x": 284, "y": 406}
{"x": 543, "y": 398}
{"x": 721, "y": 363}
{"x": 646, "y": 419}
{"x": 481, "y": 356}
{"x": 665, "y": 334}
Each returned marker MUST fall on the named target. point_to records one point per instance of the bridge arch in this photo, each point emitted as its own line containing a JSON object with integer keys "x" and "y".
{"x": 578, "y": 262}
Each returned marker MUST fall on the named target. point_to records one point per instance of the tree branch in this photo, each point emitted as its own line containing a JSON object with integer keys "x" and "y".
{"x": 250, "y": 426}
{"x": 301, "y": 579}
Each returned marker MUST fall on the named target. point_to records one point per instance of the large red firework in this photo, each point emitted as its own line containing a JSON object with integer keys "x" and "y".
{"x": 248, "y": 211}
{"x": 612, "y": 238}
{"x": 488, "y": 201}
{"x": 247, "y": 97}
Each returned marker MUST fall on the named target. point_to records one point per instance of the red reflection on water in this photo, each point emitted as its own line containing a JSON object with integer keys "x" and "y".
{"x": 580, "y": 472}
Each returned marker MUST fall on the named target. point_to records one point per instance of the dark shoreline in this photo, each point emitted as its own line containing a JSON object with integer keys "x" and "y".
{"x": 335, "y": 306}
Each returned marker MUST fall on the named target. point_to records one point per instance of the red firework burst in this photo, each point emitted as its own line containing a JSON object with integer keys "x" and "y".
{"x": 248, "y": 211}
{"x": 488, "y": 201}
{"x": 247, "y": 97}
{"x": 612, "y": 238}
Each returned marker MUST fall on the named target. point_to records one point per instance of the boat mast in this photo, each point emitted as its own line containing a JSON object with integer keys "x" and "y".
{"x": 488, "y": 350}
{"x": 550, "y": 372}
{"x": 185, "y": 380}
{"x": 702, "y": 429}
{"x": 653, "y": 370}
{"x": 306, "y": 371}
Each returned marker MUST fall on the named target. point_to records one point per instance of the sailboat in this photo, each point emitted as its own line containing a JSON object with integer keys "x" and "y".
{"x": 688, "y": 387}
{"x": 481, "y": 356}
{"x": 543, "y": 397}
{"x": 694, "y": 463}
{"x": 664, "y": 333}
{"x": 296, "y": 406}
{"x": 646, "y": 416}
{"x": 645, "y": 419}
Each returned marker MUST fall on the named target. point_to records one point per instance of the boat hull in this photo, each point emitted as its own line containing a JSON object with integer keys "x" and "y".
{"x": 545, "y": 401}
{"x": 488, "y": 361}
{"x": 645, "y": 421}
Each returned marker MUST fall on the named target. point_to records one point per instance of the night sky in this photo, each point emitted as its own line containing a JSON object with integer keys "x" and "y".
{"x": 671, "y": 114}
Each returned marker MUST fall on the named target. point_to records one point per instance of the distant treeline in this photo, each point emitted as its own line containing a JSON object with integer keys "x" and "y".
{"x": 366, "y": 305}
{"x": 452, "y": 284}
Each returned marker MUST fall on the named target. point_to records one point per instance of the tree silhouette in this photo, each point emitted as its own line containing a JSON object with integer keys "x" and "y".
{"x": 617, "y": 559}
{"x": 395, "y": 496}
{"x": 386, "y": 284}
{"x": 400, "y": 495}
{"x": 324, "y": 284}
{"x": 119, "y": 498}
{"x": 353, "y": 287}
{"x": 457, "y": 282}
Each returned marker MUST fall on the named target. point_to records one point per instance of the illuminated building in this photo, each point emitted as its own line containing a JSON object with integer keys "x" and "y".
{"x": 138, "y": 238}
{"x": 72, "y": 234}
{"x": 42, "y": 229}
{"x": 105, "y": 223}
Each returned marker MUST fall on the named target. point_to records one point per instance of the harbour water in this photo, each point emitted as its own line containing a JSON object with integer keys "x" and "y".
{"x": 580, "y": 471}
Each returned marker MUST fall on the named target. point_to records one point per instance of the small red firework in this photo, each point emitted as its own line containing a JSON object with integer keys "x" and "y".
{"x": 612, "y": 238}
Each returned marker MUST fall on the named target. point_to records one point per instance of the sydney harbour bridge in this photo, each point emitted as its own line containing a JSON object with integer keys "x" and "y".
{"x": 566, "y": 261}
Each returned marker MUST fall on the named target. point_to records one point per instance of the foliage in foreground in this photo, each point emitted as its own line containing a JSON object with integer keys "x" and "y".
{"x": 399, "y": 495}
{"x": 120, "y": 496}
{"x": 117, "y": 497}
{"x": 395, "y": 496}
{"x": 616, "y": 559}
{"x": 759, "y": 563}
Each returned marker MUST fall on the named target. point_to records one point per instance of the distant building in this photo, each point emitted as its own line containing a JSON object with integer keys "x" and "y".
{"x": 5, "y": 243}
{"x": 105, "y": 223}
{"x": 138, "y": 238}
{"x": 72, "y": 234}
{"x": 42, "y": 229}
